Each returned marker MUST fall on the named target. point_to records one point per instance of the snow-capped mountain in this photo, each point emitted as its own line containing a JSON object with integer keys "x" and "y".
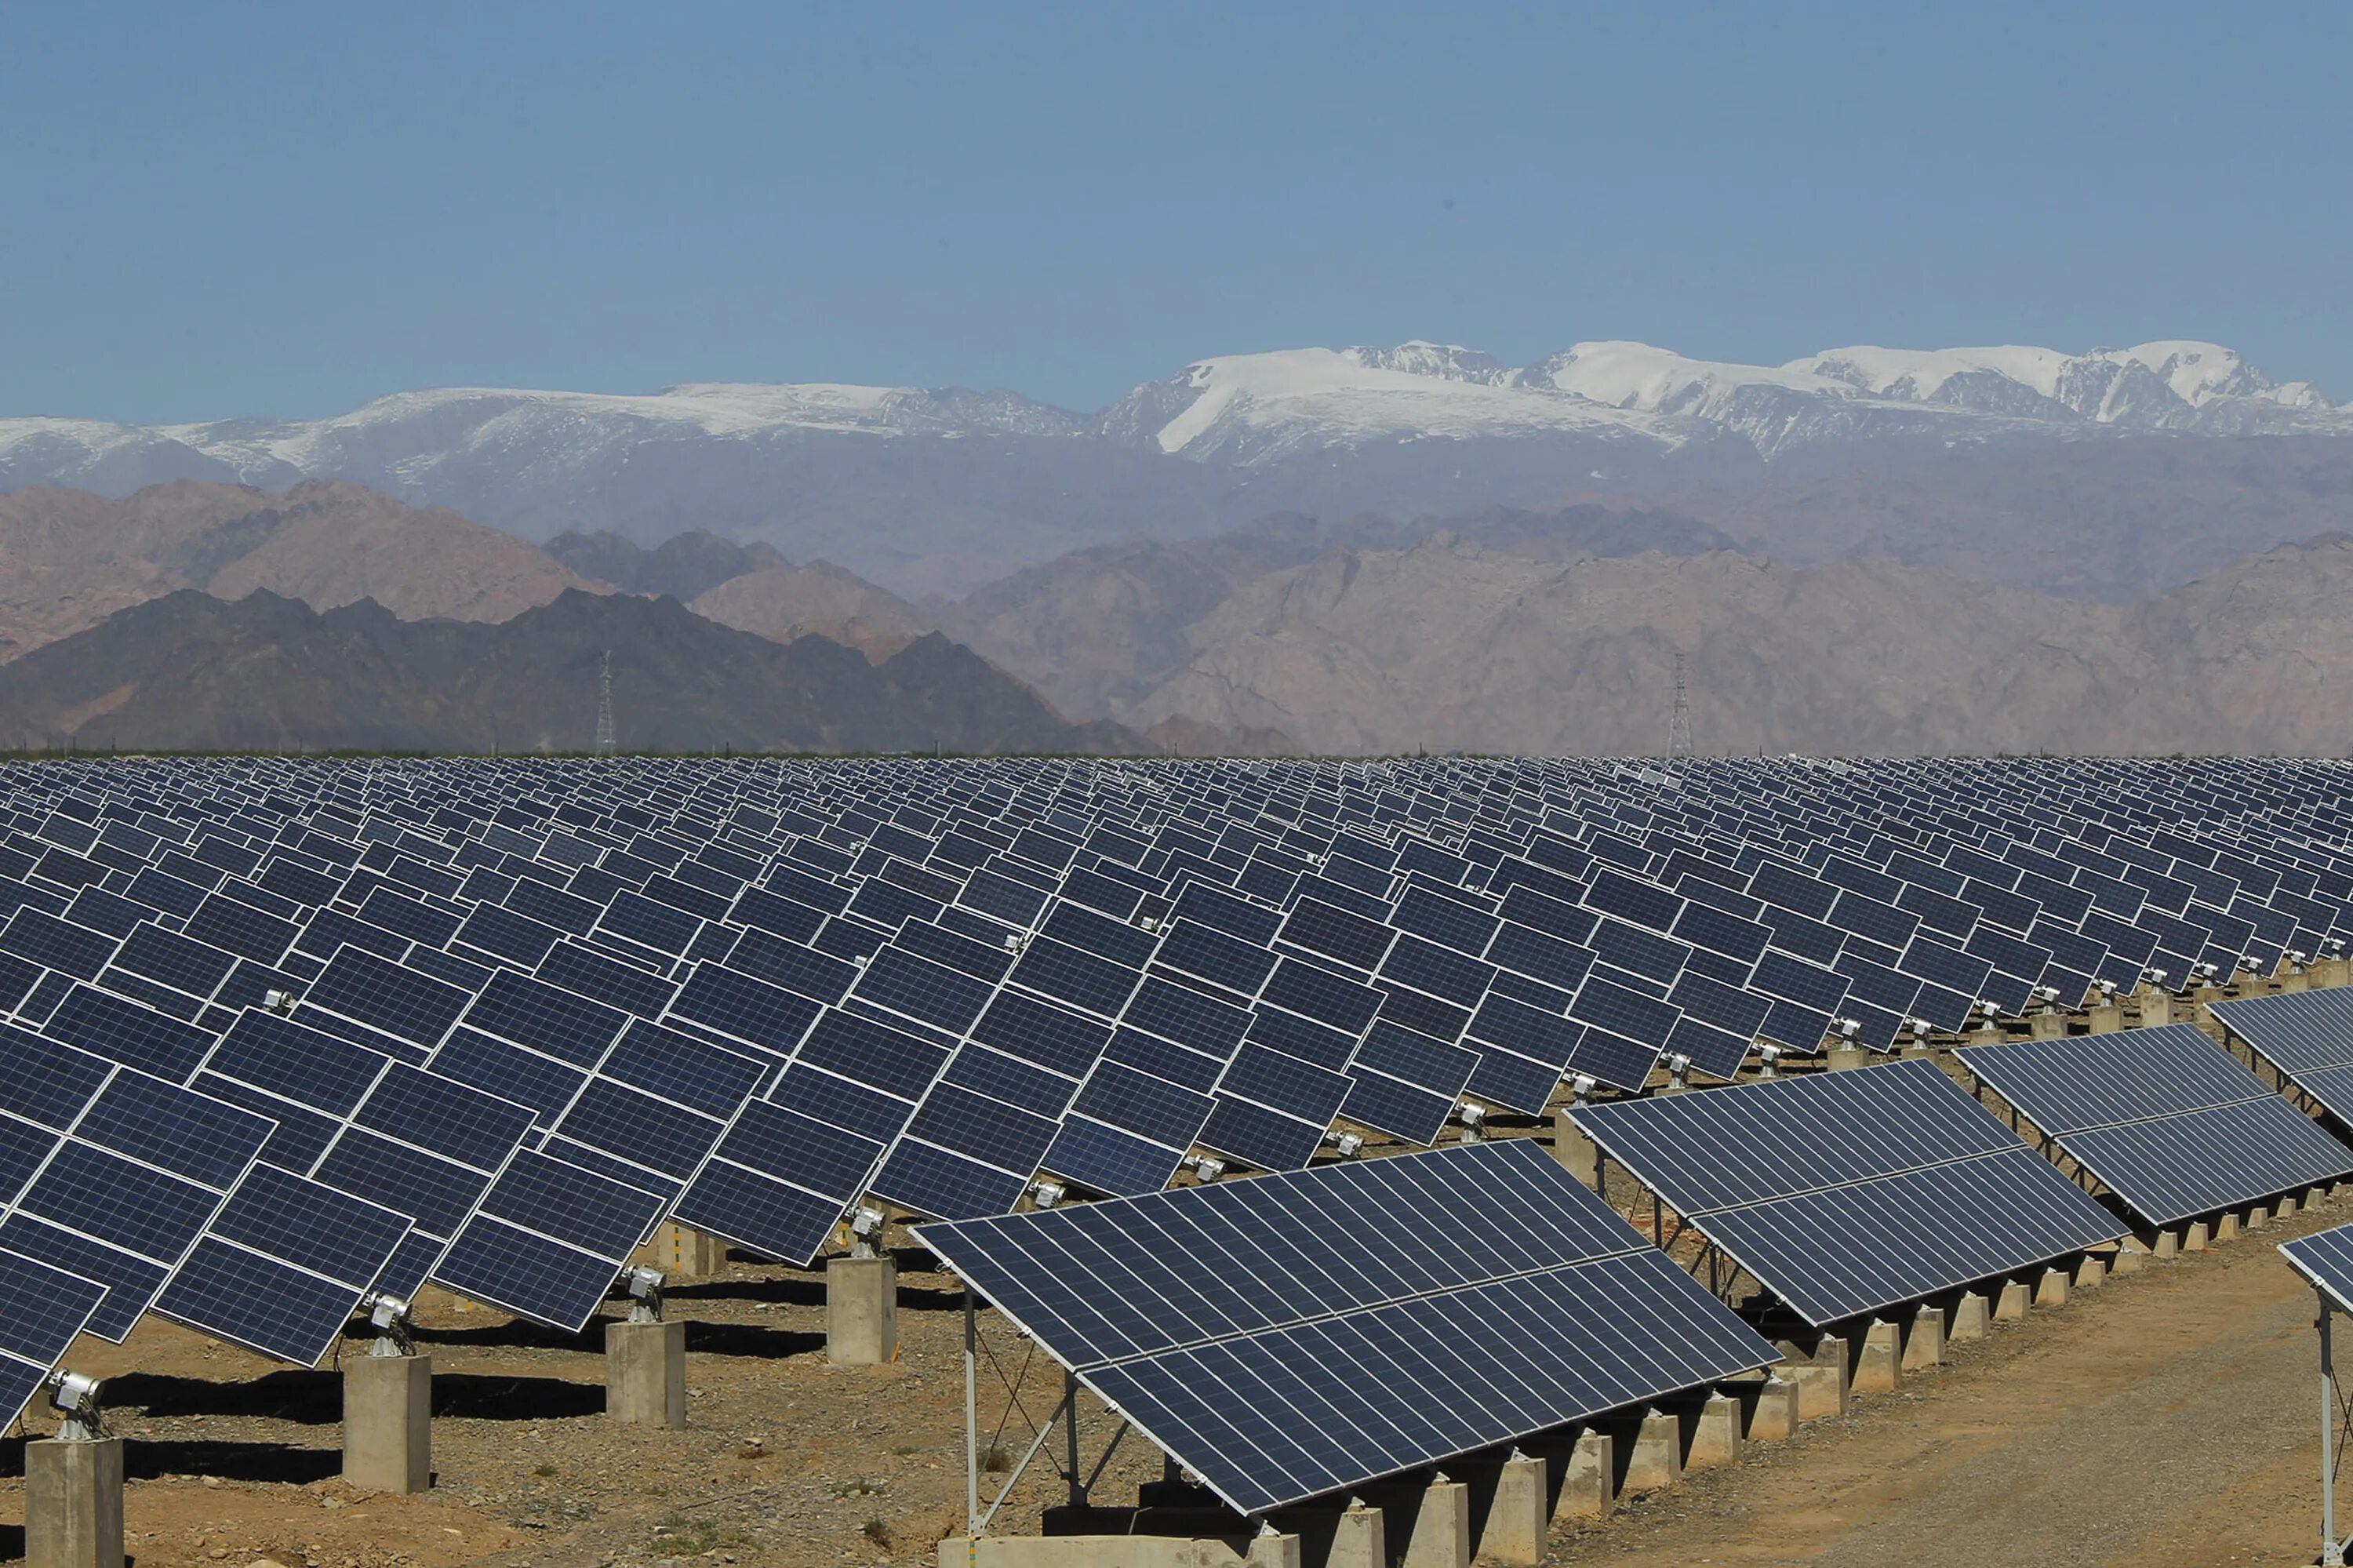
{"x": 1249, "y": 409}
{"x": 886, "y": 478}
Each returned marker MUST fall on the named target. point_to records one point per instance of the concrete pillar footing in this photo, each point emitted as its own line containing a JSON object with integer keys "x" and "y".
{"x": 862, "y": 1311}
{"x": 645, "y": 1373}
{"x": 1878, "y": 1366}
{"x": 1519, "y": 1516}
{"x": 1657, "y": 1461}
{"x": 388, "y": 1422}
{"x": 1589, "y": 1484}
{"x": 73, "y": 1503}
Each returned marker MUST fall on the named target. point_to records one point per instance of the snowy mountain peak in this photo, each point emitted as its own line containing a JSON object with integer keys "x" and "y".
{"x": 1597, "y": 413}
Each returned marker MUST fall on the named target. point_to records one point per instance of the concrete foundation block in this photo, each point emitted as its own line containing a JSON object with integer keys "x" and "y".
{"x": 2047, "y": 1025}
{"x": 1715, "y": 1439}
{"x": 1358, "y": 1540}
{"x": 2105, "y": 1019}
{"x": 2286, "y": 1208}
{"x": 684, "y": 1255}
{"x": 2193, "y": 1239}
{"x": 1118, "y": 1552}
{"x": 2258, "y": 1216}
{"x": 2052, "y": 1289}
{"x": 1774, "y": 1415}
{"x": 2167, "y": 1246}
{"x": 1923, "y": 1346}
{"x": 1969, "y": 1317}
{"x": 1657, "y": 1461}
{"x": 1821, "y": 1374}
{"x": 2156, "y": 1008}
{"x": 2010, "y": 1306}
{"x": 1574, "y": 1150}
{"x": 2092, "y": 1272}
{"x": 862, "y": 1311}
{"x": 2226, "y": 1227}
{"x": 388, "y": 1422}
{"x": 645, "y": 1373}
{"x": 2131, "y": 1257}
{"x": 1440, "y": 1537}
{"x": 1519, "y": 1516}
{"x": 1878, "y": 1365}
{"x": 1588, "y": 1486}
{"x": 73, "y": 1503}
{"x": 1848, "y": 1056}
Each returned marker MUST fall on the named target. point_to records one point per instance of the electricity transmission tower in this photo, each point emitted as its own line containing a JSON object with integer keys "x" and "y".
{"x": 1679, "y": 736}
{"x": 604, "y": 705}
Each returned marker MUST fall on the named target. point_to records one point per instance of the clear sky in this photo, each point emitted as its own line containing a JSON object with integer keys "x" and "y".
{"x": 287, "y": 209}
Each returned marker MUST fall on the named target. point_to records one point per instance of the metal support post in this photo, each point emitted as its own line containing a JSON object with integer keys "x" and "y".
{"x": 2332, "y": 1547}
{"x": 1070, "y": 1429}
{"x": 971, "y": 1418}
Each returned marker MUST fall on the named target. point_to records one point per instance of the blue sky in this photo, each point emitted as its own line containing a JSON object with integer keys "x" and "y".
{"x": 288, "y": 209}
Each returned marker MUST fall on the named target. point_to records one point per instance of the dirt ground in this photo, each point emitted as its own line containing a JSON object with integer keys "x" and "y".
{"x": 2170, "y": 1417}
{"x": 2167, "y": 1418}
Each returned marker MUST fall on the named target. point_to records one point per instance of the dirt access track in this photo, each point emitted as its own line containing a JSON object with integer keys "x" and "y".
{"x": 2168, "y": 1417}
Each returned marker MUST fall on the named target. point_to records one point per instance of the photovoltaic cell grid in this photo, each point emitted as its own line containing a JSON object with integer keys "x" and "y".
{"x": 2325, "y": 1258}
{"x": 1297, "y": 1335}
{"x": 2165, "y": 1118}
{"x": 1845, "y": 1192}
{"x": 2307, "y": 1036}
{"x": 1688, "y": 947}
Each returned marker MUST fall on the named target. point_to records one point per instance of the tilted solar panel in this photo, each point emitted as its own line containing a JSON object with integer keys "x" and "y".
{"x": 1396, "y": 1312}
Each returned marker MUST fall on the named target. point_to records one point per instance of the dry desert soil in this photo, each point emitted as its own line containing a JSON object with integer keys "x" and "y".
{"x": 2169, "y": 1417}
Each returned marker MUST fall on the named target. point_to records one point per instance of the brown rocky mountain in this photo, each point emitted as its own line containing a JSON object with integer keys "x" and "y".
{"x": 191, "y": 671}
{"x": 784, "y": 602}
{"x": 2113, "y": 519}
{"x": 1097, "y": 631}
{"x": 682, "y": 565}
{"x": 68, "y": 560}
{"x": 1453, "y": 646}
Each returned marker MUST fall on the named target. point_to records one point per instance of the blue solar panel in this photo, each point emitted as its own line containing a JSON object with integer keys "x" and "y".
{"x": 2164, "y": 1117}
{"x": 1821, "y": 1187}
{"x": 383, "y": 995}
{"x": 1388, "y": 1300}
{"x": 42, "y": 1311}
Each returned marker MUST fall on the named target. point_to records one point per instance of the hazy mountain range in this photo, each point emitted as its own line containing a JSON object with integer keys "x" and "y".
{"x": 1347, "y": 551}
{"x": 931, "y": 490}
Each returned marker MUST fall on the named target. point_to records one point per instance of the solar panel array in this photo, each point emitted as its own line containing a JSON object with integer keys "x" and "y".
{"x": 1847, "y": 1193}
{"x": 2307, "y": 1036}
{"x": 2165, "y": 1118}
{"x": 1306, "y": 1333}
{"x": 539, "y": 1006}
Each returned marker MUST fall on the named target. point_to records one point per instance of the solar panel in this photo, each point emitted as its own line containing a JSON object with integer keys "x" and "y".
{"x": 1374, "y": 1318}
{"x": 548, "y": 1240}
{"x": 284, "y": 1265}
{"x": 1826, "y": 1188}
{"x": 2164, "y": 1117}
{"x": 43, "y": 1310}
{"x": 2325, "y": 1258}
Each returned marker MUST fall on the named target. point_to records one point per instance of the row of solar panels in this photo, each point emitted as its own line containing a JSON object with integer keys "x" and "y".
{"x": 1288, "y": 1338}
{"x": 400, "y": 948}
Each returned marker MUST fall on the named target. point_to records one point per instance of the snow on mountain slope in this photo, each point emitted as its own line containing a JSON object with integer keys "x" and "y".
{"x": 1249, "y": 409}
{"x": 918, "y": 486}
{"x": 404, "y": 436}
{"x": 2155, "y": 386}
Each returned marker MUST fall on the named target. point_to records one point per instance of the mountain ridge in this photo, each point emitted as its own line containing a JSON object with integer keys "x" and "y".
{"x": 935, "y": 490}
{"x": 191, "y": 671}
